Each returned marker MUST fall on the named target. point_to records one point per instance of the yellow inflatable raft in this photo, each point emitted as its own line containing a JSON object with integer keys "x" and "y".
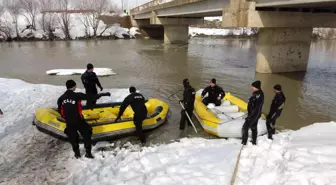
{"x": 102, "y": 118}
{"x": 227, "y": 119}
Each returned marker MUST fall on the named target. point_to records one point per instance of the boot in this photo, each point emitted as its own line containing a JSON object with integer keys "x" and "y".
{"x": 89, "y": 155}
{"x": 269, "y": 134}
{"x": 254, "y": 137}
{"x": 77, "y": 153}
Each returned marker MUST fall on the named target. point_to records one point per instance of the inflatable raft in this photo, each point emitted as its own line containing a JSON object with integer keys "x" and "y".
{"x": 102, "y": 118}
{"x": 227, "y": 119}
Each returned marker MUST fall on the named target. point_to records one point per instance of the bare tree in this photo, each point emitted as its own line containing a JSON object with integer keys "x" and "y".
{"x": 92, "y": 9}
{"x": 30, "y": 11}
{"x": 13, "y": 8}
{"x": 64, "y": 17}
{"x": 49, "y": 19}
{"x": 5, "y": 26}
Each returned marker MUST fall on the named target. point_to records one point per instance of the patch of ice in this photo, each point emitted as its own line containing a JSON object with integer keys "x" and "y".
{"x": 65, "y": 72}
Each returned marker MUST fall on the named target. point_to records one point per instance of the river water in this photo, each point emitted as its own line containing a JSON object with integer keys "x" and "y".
{"x": 158, "y": 70}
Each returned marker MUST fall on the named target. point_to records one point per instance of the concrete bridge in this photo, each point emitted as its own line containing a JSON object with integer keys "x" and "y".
{"x": 285, "y": 25}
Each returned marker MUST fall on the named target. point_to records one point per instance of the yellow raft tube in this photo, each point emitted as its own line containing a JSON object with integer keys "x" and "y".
{"x": 231, "y": 125}
{"x": 101, "y": 118}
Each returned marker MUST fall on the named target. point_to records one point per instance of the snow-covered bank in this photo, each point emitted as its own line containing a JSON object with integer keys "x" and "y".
{"x": 306, "y": 156}
{"x": 77, "y": 29}
{"x": 65, "y": 72}
{"x": 190, "y": 161}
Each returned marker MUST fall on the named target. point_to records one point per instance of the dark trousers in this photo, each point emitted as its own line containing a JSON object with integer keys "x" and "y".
{"x": 253, "y": 125}
{"x": 92, "y": 98}
{"x": 184, "y": 118}
{"x": 206, "y": 101}
{"x": 85, "y": 130}
{"x": 138, "y": 127}
{"x": 270, "y": 123}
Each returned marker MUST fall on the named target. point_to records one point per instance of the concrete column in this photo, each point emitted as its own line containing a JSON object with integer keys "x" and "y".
{"x": 176, "y": 34}
{"x": 283, "y": 49}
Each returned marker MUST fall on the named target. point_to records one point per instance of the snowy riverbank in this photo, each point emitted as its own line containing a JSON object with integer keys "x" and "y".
{"x": 306, "y": 156}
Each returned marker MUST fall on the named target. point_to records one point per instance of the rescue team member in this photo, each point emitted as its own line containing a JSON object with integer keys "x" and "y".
{"x": 277, "y": 105}
{"x": 215, "y": 94}
{"x": 90, "y": 82}
{"x": 188, "y": 103}
{"x": 70, "y": 107}
{"x": 254, "y": 109}
{"x": 137, "y": 102}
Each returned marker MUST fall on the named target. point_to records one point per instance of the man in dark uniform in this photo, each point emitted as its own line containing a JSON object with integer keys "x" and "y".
{"x": 90, "y": 82}
{"x": 137, "y": 102}
{"x": 70, "y": 107}
{"x": 254, "y": 109}
{"x": 215, "y": 94}
{"x": 277, "y": 105}
{"x": 188, "y": 103}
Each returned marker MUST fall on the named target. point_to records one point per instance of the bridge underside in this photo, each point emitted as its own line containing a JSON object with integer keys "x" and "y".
{"x": 285, "y": 25}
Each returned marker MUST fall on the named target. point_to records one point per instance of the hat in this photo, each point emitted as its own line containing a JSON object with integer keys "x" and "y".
{"x": 256, "y": 84}
{"x": 132, "y": 89}
{"x": 185, "y": 82}
{"x": 70, "y": 84}
{"x": 213, "y": 81}
{"x": 89, "y": 66}
{"x": 278, "y": 87}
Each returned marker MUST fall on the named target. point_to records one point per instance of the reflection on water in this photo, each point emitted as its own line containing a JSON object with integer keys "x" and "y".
{"x": 157, "y": 70}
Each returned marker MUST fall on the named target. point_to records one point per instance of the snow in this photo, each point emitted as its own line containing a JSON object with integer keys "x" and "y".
{"x": 190, "y": 161}
{"x": 77, "y": 29}
{"x": 303, "y": 157}
{"x": 65, "y": 72}
{"x": 218, "y": 18}
{"x": 194, "y": 31}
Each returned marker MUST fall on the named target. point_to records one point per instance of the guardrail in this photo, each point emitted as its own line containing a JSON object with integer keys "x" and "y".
{"x": 149, "y": 4}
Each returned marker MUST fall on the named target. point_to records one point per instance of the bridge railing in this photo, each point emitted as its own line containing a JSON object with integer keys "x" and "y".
{"x": 148, "y": 5}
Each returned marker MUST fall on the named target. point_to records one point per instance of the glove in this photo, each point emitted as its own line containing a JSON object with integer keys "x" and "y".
{"x": 101, "y": 89}
{"x": 117, "y": 119}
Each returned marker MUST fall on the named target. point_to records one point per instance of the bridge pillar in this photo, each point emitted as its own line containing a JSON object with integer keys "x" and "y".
{"x": 283, "y": 49}
{"x": 176, "y": 34}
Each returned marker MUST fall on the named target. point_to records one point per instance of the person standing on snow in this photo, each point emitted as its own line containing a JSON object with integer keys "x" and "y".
{"x": 215, "y": 94}
{"x": 137, "y": 102}
{"x": 188, "y": 103}
{"x": 90, "y": 82}
{"x": 254, "y": 109}
{"x": 277, "y": 105}
{"x": 70, "y": 107}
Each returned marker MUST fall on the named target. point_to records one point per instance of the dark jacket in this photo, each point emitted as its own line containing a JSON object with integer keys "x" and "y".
{"x": 90, "y": 80}
{"x": 278, "y": 103}
{"x": 254, "y": 106}
{"x": 137, "y": 102}
{"x": 189, "y": 97}
{"x": 213, "y": 92}
{"x": 70, "y": 105}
